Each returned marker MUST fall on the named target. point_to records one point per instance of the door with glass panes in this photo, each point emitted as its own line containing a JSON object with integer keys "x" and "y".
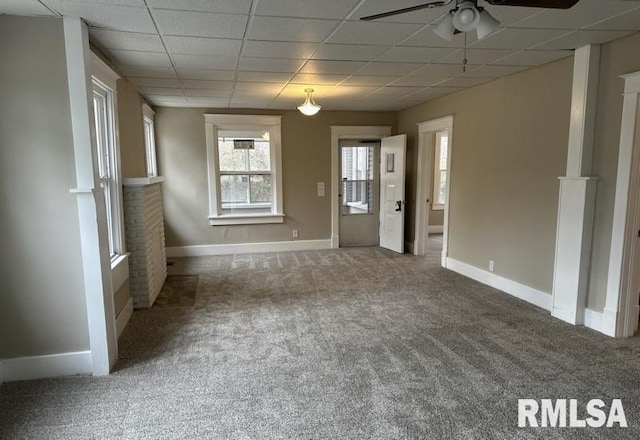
{"x": 359, "y": 192}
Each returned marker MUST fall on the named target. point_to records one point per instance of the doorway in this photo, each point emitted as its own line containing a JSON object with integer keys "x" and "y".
{"x": 359, "y": 189}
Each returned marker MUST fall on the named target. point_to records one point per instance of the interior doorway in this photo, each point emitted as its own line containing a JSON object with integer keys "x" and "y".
{"x": 359, "y": 189}
{"x": 435, "y": 142}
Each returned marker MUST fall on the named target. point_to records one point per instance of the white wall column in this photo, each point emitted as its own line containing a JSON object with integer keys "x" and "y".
{"x": 577, "y": 194}
{"x": 91, "y": 207}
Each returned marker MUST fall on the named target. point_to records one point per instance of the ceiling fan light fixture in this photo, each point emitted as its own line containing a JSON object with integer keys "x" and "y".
{"x": 466, "y": 17}
{"x": 445, "y": 29}
{"x": 309, "y": 107}
{"x": 488, "y": 24}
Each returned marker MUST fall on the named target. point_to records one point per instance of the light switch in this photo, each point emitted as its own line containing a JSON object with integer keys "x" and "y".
{"x": 320, "y": 189}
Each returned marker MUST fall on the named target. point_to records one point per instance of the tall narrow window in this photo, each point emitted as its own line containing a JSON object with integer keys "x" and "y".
{"x": 148, "y": 116}
{"x": 244, "y": 162}
{"x": 440, "y": 175}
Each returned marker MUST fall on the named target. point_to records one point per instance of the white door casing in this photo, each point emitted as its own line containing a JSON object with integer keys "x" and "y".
{"x": 392, "y": 204}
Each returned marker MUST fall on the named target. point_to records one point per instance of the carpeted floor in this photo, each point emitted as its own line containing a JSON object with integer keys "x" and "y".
{"x": 356, "y": 343}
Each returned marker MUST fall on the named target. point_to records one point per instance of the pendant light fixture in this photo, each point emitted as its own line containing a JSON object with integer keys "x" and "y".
{"x": 467, "y": 17}
{"x": 309, "y": 108}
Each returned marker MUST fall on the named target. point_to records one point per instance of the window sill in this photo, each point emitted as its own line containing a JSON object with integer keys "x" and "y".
{"x": 437, "y": 207}
{"x": 246, "y": 219}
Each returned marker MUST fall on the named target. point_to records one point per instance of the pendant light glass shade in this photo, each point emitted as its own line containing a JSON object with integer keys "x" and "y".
{"x": 467, "y": 17}
{"x": 445, "y": 29}
{"x": 487, "y": 25}
{"x": 309, "y": 108}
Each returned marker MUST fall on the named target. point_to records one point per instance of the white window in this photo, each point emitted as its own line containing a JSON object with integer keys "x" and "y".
{"x": 148, "y": 116}
{"x": 244, "y": 163}
{"x": 104, "y": 105}
{"x": 440, "y": 172}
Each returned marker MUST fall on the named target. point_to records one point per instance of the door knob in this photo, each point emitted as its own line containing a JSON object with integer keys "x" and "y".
{"x": 399, "y": 205}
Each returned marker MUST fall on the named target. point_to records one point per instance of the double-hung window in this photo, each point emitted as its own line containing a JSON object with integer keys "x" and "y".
{"x": 105, "y": 120}
{"x": 440, "y": 172}
{"x": 149, "y": 140}
{"x": 244, "y": 163}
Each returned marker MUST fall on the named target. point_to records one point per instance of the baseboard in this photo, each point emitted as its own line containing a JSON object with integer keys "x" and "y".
{"x": 435, "y": 229}
{"x": 124, "y": 316}
{"x": 525, "y": 293}
{"x": 247, "y": 248}
{"x": 40, "y": 367}
{"x": 593, "y": 320}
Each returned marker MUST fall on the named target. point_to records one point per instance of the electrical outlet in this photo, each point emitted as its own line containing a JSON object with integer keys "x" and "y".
{"x": 295, "y": 233}
{"x": 491, "y": 265}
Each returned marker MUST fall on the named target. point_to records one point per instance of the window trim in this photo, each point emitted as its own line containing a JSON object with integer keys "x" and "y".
{"x": 436, "y": 170}
{"x": 271, "y": 124}
{"x": 148, "y": 118}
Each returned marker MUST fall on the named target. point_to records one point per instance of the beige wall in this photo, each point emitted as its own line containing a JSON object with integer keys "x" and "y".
{"x": 306, "y": 159}
{"x": 509, "y": 147}
{"x": 617, "y": 58}
{"x": 42, "y": 302}
{"x": 132, "y": 148}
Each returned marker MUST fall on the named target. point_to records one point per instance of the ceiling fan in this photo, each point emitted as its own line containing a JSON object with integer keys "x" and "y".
{"x": 468, "y": 16}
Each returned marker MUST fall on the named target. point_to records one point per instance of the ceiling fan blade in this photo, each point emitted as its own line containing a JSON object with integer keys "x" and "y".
{"x": 555, "y": 4}
{"x": 409, "y": 9}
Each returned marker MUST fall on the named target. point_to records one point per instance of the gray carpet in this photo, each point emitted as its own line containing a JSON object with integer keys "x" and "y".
{"x": 356, "y": 343}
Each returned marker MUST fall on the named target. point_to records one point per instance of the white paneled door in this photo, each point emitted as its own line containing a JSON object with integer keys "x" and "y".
{"x": 392, "y": 205}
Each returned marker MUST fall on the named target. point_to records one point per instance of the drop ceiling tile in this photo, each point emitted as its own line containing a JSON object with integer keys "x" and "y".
{"x": 339, "y": 93}
{"x": 203, "y": 46}
{"x": 24, "y": 7}
{"x": 206, "y": 74}
{"x": 629, "y": 21}
{"x": 220, "y": 6}
{"x": 395, "y": 91}
{"x": 584, "y": 13}
{"x": 200, "y": 24}
{"x": 110, "y": 16}
{"x": 126, "y": 40}
{"x": 310, "y": 78}
{"x": 290, "y": 29}
{"x": 465, "y": 81}
{"x": 476, "y": 56}
{"x": 161, "y": 91}
{"x": 510, "y": 16}
{"x": 136, "y": 3}
{"x": 167, "y": 101}
{"x": 533, "y": 57}
{"x": 516, "y": 38}
{"x": 413, "y": 54}
{"x": 349, "y": 52}
{"x": 270, "y": 64}
{"x": 147, "y": 72}
{"x": 209, "y": 85}
{"x": 369, "y": 80}
{"x": 383, "y": 68}
{"x": 371, "y": 32}
{"x": 202, "y": 101}
{"x": 205, "y": 62}
{"x": 427, "y": 38}
{"x": 155, "y": 82}
{"x": 296, "y": 93}
{"x": 434, "y": 92}
{"x": 248, "y": 103}
{"x": 260, "y": 87}
{"x": 275, "y": 77}
{"x": 331, "y": 67}
{"x": 306, "y": 8}
{"x": 280, "y": 49}
{"x": 135, "y": 58}
{"x": 424, "y": 16}
{"x": 210, "y": 93}
{"x": 582, "y": 38}
{"x": 494, "y": 71}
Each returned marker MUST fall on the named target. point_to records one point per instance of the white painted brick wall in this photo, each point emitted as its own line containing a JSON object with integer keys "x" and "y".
{"x": 144, "y": 228}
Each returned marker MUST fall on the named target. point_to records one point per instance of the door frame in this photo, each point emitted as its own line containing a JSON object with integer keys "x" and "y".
{"x": 346, "y": 132}
{"x": 424, "y": 183}
{"x": 620, "y": 316}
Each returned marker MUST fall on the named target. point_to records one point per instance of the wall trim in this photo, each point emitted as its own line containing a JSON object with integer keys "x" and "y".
{"x": 247, "y": 248}
{"x": 40, "y": 367}
{"x": 593, "y": 320}
{"x": 143, "y": 181}
{"x": 123, "y": 318}
{"x": 436, "y": 229}
{"x": 513, "y": 288}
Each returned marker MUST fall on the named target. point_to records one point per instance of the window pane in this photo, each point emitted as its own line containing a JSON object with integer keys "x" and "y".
{"x": 442, "y": 190}
{"x": 444, "y": 147}
{"x": 260, "y": 189}
{"x": 230, "y": 158}
{"x": 260, "y": 157}
{"x": 234, "y": 189}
